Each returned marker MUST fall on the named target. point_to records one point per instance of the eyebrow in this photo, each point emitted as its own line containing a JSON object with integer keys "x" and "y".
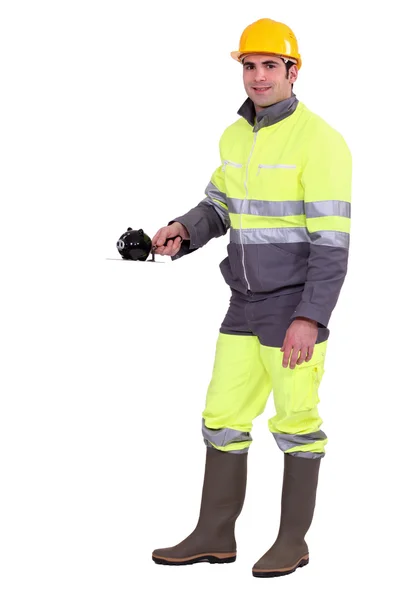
{"x": 265, "y": 62}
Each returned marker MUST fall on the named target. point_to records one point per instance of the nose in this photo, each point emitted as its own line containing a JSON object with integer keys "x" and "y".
{"x": 259, "y": 75}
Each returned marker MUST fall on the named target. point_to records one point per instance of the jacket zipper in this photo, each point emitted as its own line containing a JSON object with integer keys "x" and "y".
{"x": 241, "y": 206}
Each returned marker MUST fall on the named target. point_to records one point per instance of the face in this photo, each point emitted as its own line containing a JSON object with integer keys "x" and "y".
{"x": 265, "y": 79}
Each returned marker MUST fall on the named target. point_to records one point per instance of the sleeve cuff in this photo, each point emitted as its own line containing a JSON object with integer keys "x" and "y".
{"x": 192, "y": 242}
{"x": 311, "y": 311}
{"x": 187, "y": 246}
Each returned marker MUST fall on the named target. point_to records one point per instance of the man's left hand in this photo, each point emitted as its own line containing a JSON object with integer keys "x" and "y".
{"x": 299, "y": 342}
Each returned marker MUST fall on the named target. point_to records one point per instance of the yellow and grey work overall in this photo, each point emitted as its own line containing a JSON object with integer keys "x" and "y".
{"x": 283, "y": 191}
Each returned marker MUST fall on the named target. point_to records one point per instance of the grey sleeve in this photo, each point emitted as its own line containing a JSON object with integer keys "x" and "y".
{"x": 205, "y": 221}
{"x": 327, "y": 267}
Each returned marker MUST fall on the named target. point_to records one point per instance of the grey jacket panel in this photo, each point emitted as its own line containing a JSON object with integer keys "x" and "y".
{"x": 269, "y": 269}
{"x": 203, "y": 223}
{"x": 274, "y": 269}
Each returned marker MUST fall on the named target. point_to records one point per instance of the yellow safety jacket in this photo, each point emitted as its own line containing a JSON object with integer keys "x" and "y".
{"x": 283, "y": 191}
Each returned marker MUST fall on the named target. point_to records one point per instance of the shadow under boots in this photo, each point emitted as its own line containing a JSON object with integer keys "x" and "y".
{"x": 213, "y": 539}
{"x": 290, "y": 551}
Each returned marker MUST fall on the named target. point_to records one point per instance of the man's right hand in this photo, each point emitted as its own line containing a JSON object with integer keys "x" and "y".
{"x": 170, "y": 231}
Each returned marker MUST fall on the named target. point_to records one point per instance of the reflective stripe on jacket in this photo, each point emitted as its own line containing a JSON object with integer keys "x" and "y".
{"x": 283, "y": 191}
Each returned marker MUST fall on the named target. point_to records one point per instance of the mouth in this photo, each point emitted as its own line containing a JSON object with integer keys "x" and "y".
{"x": 261, "y": 90}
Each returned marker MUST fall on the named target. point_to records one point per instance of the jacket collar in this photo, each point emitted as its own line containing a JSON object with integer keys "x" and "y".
{"x": 269, "y": 115}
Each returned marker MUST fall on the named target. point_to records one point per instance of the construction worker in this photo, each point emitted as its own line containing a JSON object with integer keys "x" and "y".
{"x": 283, "y": 191}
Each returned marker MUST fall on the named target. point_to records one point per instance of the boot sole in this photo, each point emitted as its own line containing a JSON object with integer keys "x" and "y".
{"x": 219, "y": 558}
{"x": 280, "y": 572}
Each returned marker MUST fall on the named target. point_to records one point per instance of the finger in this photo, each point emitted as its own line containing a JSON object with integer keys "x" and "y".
{"x": 161, "y": 237}
{"x": 177, "y": 243}
{"x": 310, "y": 352}
{"x": 294, "y": 357}
{"x": 167, "y": 248}
{"x": 156, "y": 237}
{"x": 176, "y": 247}
{"x": 284, "y": 344}
{"x": 286, "y": 355}
{"x": 163, "y": 250}
{"x": 303, "y": 356}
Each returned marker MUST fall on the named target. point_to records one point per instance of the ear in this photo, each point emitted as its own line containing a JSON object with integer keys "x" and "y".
{"x": 293, "y": 73}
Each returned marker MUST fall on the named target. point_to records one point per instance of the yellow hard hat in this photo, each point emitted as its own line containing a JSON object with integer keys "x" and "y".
{"x": 266, "y": 36}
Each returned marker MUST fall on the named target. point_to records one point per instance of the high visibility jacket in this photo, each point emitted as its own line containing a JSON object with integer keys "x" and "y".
{"x": 283, "y": 191}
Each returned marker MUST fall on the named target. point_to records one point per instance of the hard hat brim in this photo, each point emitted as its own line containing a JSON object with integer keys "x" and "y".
{"x": 236, "y": 55}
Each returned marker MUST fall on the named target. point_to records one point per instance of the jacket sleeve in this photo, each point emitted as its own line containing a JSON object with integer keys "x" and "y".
{"x": 209, "y": 219}
{"x": 326, "y": 180}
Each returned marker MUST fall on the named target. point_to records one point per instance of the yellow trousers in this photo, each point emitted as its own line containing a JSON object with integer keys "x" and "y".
{"x": 244, "y": 374}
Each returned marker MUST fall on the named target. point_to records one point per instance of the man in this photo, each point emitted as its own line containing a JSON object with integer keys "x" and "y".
{"x": 283, "y": 191}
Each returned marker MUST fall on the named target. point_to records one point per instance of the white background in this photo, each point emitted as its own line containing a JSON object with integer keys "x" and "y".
{"x": 111, "y": 113}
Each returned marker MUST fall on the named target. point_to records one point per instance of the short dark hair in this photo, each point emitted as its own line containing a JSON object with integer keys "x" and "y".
{"x": 289, "y": 64}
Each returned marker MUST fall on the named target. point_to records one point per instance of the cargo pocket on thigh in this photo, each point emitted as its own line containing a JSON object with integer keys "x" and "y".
{"x": 306, "y": 381}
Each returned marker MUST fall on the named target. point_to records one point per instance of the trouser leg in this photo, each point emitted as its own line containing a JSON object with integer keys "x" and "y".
{"x": 296, "y": 425}
{"x": 237, "y": 393}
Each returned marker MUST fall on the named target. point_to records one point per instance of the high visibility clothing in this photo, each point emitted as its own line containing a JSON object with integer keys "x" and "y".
{"x": 266, "y": 36}
{"x": 283, "y": 190}
{"x": 248, "y": 367}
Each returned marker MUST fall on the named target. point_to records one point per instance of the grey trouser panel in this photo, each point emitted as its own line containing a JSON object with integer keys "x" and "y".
{"x": 267, "y": 317}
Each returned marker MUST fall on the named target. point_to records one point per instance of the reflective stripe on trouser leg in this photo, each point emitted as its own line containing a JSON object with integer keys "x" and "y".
{"x": 237, "y": 393}
{"x": 297, "y": 424}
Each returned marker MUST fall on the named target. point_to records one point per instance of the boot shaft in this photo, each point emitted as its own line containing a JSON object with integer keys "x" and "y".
{"x": 300, "y": 481}
{"x": 224, "y": 487}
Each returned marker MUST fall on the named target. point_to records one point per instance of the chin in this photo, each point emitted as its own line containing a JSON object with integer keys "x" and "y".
{"x": 260, "y": 101}
{"x": 263, "y": 104}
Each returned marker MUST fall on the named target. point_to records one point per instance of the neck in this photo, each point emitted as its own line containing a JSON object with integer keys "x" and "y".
{"x": 260, "y": 108}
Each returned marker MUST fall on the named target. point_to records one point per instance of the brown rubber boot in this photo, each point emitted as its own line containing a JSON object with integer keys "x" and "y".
{"x": 213, "y": 539}
{"x": 299, "y": 489}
